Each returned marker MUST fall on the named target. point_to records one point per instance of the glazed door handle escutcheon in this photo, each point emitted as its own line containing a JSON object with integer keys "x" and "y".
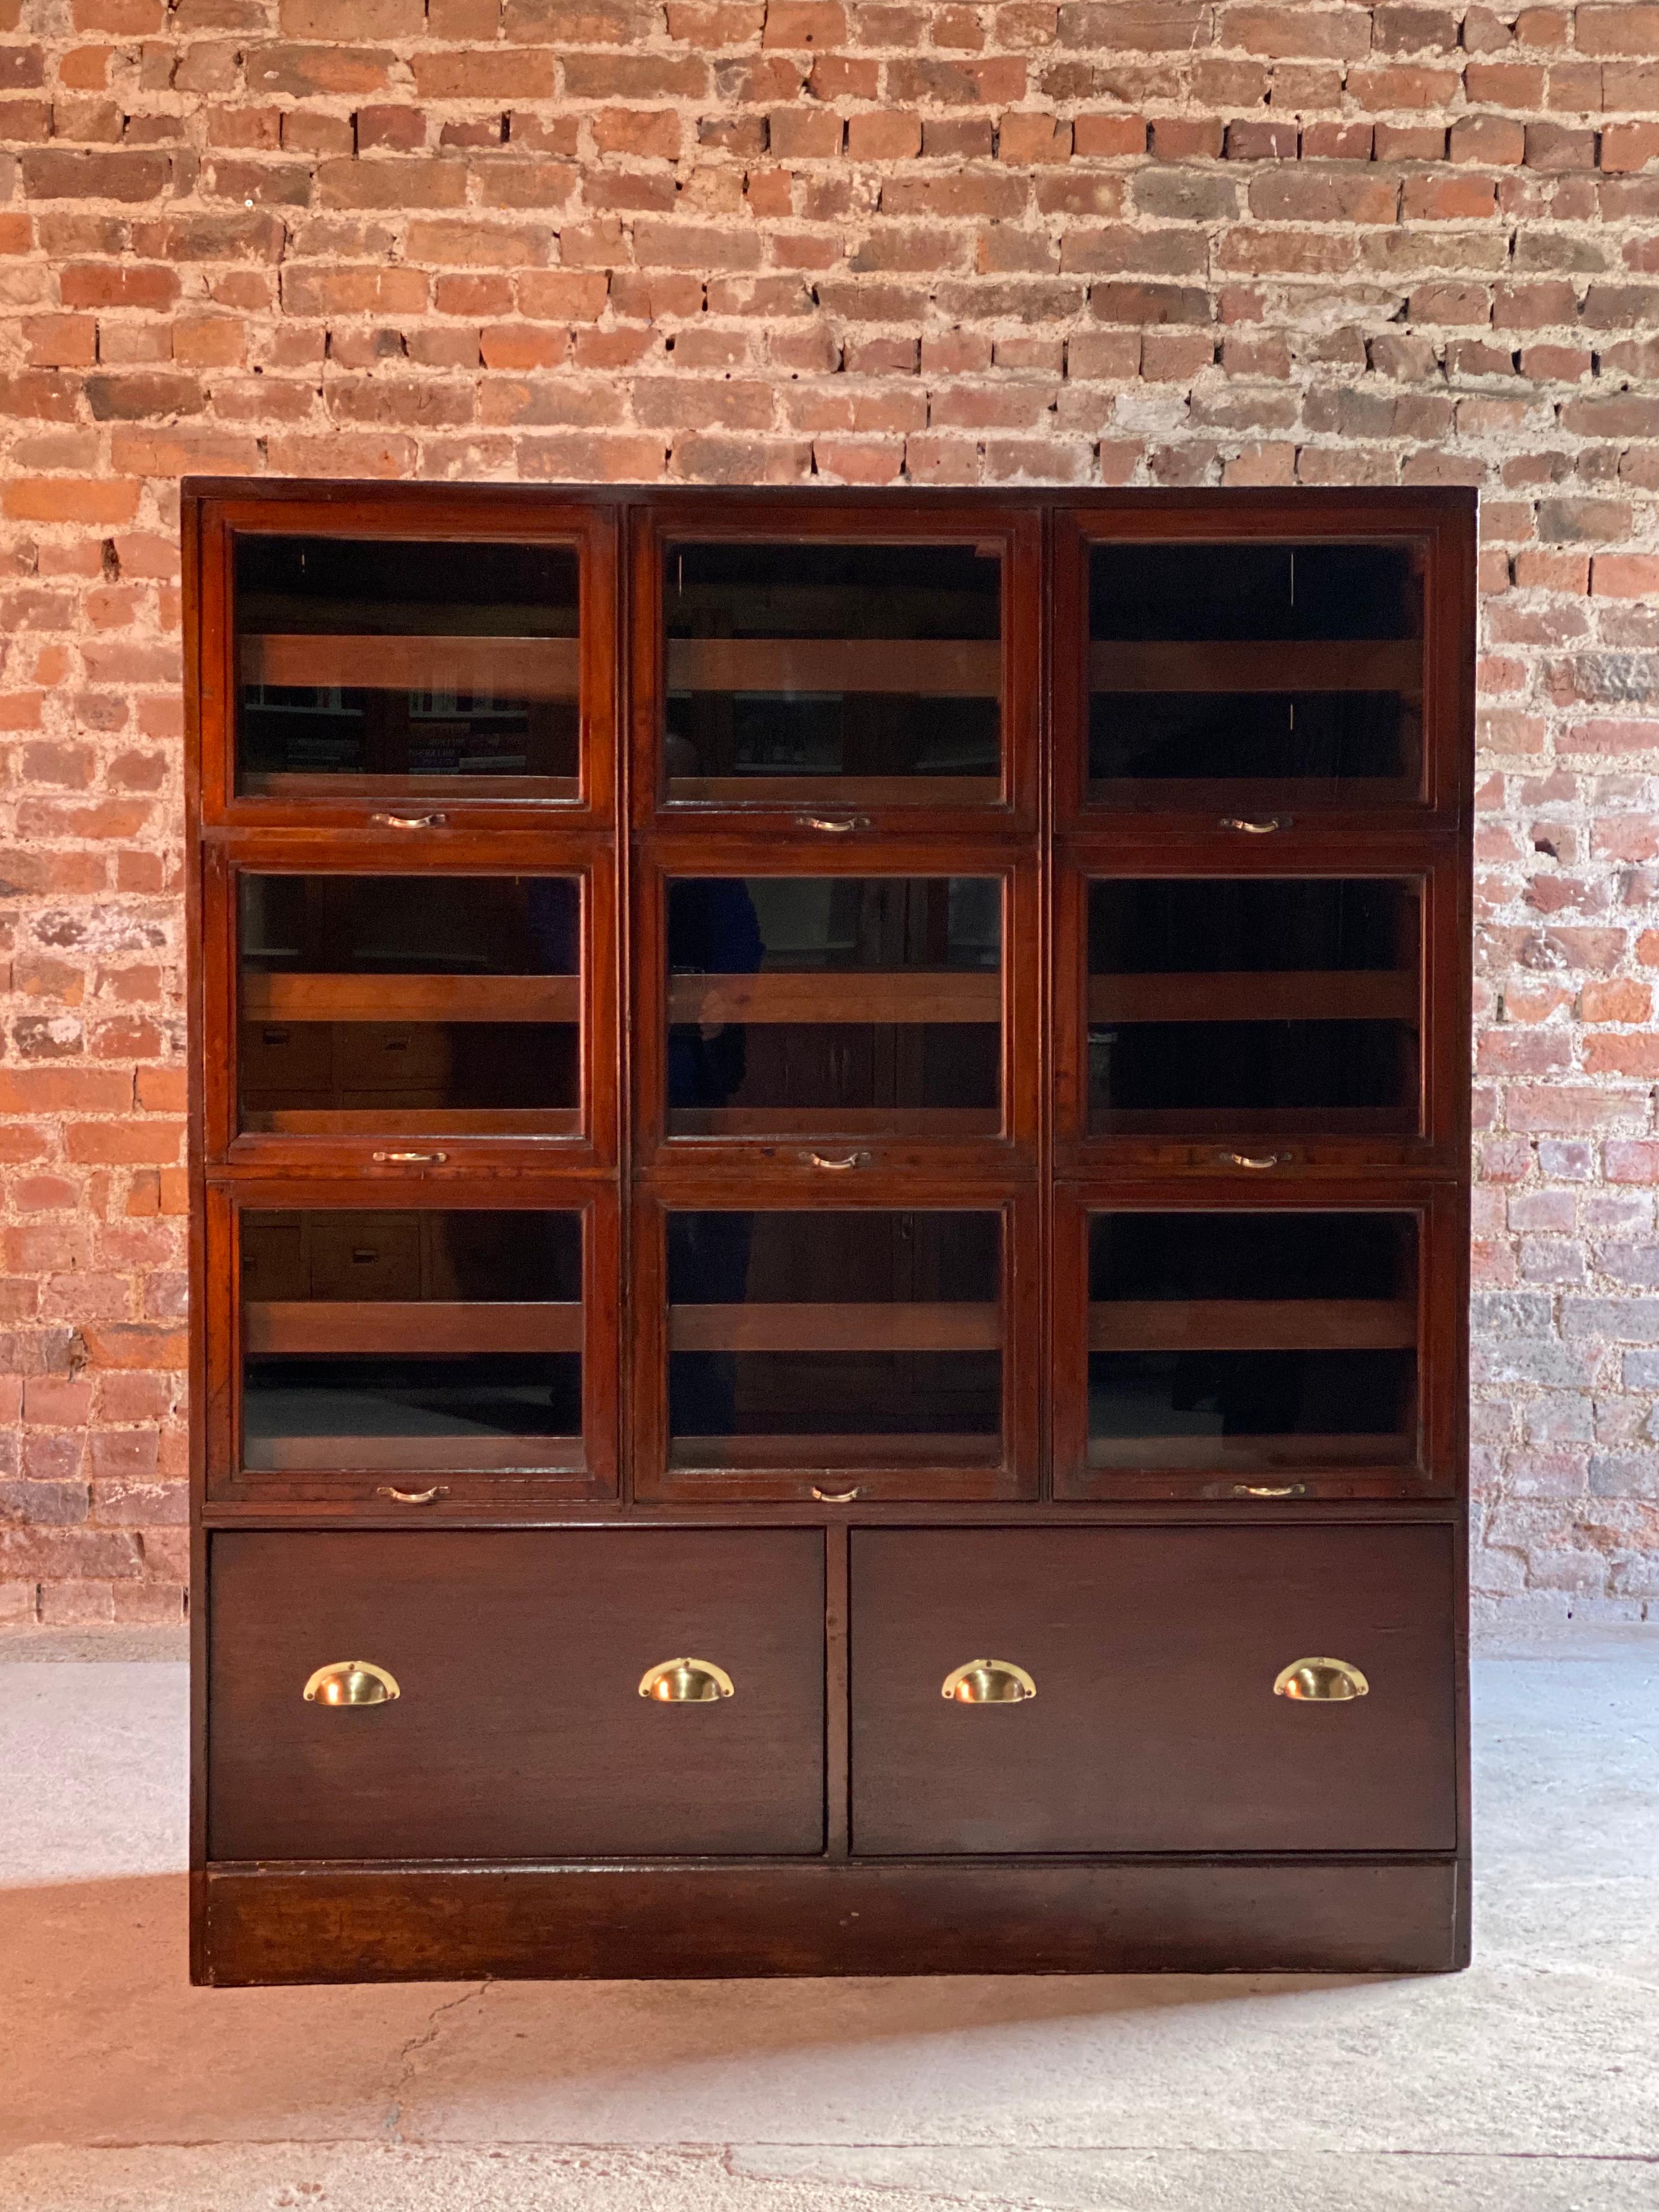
{"x": 835, "y": 823}
{"x": 1270, "y": 1489}
{"x": 686, "y": 1682}
{"x": 837, "y": 1496}
{"x": 836, "y": 1167}
{"x": 409, "y": 1159}
{"x": 351, "y": 1682}
{"x": 1262, "y": 828}
{"x": 1321, "y": 1682}
{"x": 408, "y": 821}
{"x": 988, "y": 1682}
{"x": 415, "y": 1497}
{"x": 1257, "y": 1160}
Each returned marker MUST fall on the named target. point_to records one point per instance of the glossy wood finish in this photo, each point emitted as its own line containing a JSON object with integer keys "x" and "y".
{"x": 1154, "y": 1726}
{"x": 520, "y": 1732}
{"x": 627, "y": 831}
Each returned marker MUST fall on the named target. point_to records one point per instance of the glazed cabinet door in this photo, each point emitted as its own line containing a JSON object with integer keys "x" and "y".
{"x": 516, "y": 1694}
{"x": 415, "y": 660}
{"x": 1140, "y": 1689}
{"x": 413, "y": 1346}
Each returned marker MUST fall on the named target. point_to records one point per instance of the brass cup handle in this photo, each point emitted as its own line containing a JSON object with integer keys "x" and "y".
{"x": 988, "y": 1682}
{"x": 837, "y": 1496}
{"x": 1321, "y": 1682}
{"x": 836, "y": 1167}
{"x": 408, "y": 821}
{"x": 409, "y": 1159}
{"x": 1256, "y": 829}
{"x": 686, "y": 1682}
{"x": 351, "y": 1682}
{"x": 835, "y": 823}
{"x": 415, "y": 1497}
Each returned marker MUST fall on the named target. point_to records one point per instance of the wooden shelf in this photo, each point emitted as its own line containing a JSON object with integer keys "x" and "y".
{"x": 391, "y": 1124}
{"x": 1253, "y": 1121}
{"x": 833, "y": 792}
{"x": 834, "y": 1453}
{"x": 828, "y": 1124}
{"x": 409, "y": 1327}
{"x": 888, "y": 1327}
{"x": 1252, "y": 1325}
{"x": 1257, "y": 995}
{"x": 1293, "y": 665}
{"x": 460, "y": 790}
{"x": 936, "y": 668}
{"x": 1249, "y": 1454}
{"x": 298, "y": 998}
{"x": 896, "y": 996}
{"x": 408, "y": 1456}
{"x": 494, "y": 667}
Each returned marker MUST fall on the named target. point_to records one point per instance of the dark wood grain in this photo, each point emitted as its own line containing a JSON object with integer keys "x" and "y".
{"x": 520, "y": 1732}
{"x": 1155, "y": 1727}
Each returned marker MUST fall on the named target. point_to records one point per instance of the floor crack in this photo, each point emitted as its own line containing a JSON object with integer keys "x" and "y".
{"x": 407, "y": 2062}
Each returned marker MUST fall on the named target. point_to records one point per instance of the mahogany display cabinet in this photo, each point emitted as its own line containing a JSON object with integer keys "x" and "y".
{"x": 829, "y": 1143}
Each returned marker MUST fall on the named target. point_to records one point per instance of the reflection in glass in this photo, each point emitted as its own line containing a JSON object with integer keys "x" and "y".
{"x": 1243, "y": 1004}
{"x": 835, "y": 1339}
{"x": 416, "y": 1005}
{"x": 390, "y": 667}
{"x": 409, "y": 1341}
{"x": 835, "y": 1005}
{"x": 1294, "y": 666}
{"x": 832, "y": 671}
{"x": 1252, "y": 1340}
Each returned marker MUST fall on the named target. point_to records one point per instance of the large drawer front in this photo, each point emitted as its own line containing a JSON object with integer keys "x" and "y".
{"x": 1155, "y": 1727}
{"x": 520, "y": 1731}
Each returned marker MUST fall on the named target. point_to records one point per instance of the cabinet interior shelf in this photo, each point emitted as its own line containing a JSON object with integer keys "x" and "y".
{"x": 1394, "y": 664}
{"x": 1257, "y": 995}
{"x": 827, "y": 1453}
{"x": 897, "y": 996}
{"x": 1252, "y": 1325}
{"x": 394, "y": 1119}
{"x": 1258, "y": 1456}
{"x": 295, "y": 997}
{"x": 413, "y": 1326}
{"x": 885, "y": 1327}
{"x": 488, "y": 667}
{"x": 937, "y": 668}
{"x": 405, "y": 1458}
{"x": 830, "y": 1122}
{"x": 765, "y": 789}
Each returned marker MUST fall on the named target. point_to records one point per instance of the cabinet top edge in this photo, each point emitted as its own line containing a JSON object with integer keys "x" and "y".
{"x": 1381, "y": 501}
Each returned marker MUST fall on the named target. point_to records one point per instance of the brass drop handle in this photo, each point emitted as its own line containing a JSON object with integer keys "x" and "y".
{"x": 1257, "y": 1160}
{"x": 351, "y": 1682}
{"x": 1257, "y": 828}
{"x": 686, "y": 1682}
{"x": 415, "y": 1497}
{"x": 409, "y": 1159}
{"x": 840, "y": 1166}
{"x": 988, "y": 1682}
{"x": 1270, "y": 1489}
{"x": 837, "y": 1496}
{"x": 1321, "y": 1681}
{"x": 836, "y": 824}
{"x": 408, "y": 821}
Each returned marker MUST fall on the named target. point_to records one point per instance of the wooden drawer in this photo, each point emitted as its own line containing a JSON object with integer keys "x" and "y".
{"x": 520, "y": 1732}
{"x": 1155, "y": 1727}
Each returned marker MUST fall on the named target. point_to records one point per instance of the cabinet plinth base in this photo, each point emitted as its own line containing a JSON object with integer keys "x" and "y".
{"x": 261, "y": 1926}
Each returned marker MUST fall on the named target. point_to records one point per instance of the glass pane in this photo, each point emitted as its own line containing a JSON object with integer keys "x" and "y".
{"x": 380, "y": 666}
{"x": 1239, "y": 675}
{"x": 1252, "y": 1340}
{"x": 404, "y": 1342}
{"x": 868, "y": 673}
{"x": 837, "y": 1006}
{"x": 1241, "y": 1005}
{"x": 834, "y": 1340}
{"x": 425, "y": 1006}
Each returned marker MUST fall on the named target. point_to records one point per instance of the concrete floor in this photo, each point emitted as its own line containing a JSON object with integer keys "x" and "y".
{"x": 1530, "y": 2084}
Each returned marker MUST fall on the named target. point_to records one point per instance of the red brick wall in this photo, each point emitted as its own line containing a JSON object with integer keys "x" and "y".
{"x": 1129, "y": 241}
